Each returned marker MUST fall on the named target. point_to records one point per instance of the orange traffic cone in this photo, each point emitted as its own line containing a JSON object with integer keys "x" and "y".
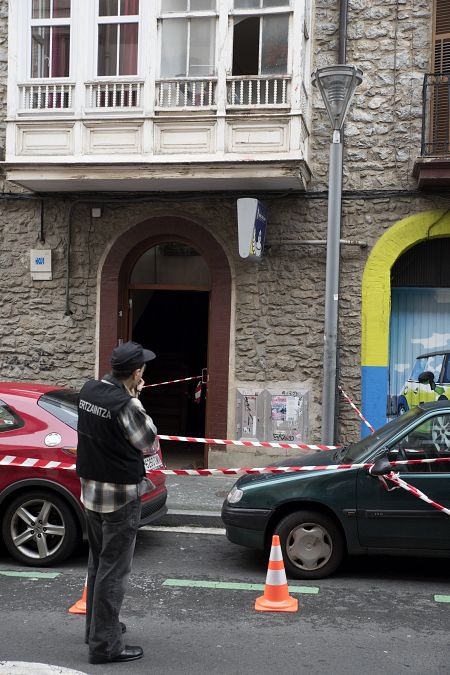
{"x": 80, "y": 606}
{"x": 276, "y": 596}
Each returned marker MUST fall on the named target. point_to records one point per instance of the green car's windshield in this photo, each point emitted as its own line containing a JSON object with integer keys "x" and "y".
{"x": 353, "y": 453}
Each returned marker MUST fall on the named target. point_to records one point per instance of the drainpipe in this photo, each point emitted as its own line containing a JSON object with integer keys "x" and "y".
{"x": 343, "y": 21}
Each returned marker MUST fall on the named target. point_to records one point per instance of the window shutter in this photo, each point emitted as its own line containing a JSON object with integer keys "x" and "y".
{"x": 441, "y": 69}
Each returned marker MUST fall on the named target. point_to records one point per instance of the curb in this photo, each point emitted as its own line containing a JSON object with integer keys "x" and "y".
{"x": 173, "y": 518}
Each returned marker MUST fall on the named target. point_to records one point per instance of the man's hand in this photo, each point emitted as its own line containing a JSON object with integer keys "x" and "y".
{"x": 139, "y": 386}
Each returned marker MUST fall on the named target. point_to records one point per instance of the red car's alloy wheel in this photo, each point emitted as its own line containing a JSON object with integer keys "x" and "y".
{"x": 39, "y": 528}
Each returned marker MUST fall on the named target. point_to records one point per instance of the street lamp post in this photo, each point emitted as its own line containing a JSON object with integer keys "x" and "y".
{"x": 336, "y": 85}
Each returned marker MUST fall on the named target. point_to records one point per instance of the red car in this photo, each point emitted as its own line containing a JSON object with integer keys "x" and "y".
{"x": 42, "y": 518}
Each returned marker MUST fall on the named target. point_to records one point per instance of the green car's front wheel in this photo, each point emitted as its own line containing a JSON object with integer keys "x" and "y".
{"x": 312, "y": 545}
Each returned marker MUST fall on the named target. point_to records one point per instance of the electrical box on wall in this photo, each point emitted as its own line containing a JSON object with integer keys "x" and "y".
{"x": 41, "y": 264}
{"x": 273, "y": 414}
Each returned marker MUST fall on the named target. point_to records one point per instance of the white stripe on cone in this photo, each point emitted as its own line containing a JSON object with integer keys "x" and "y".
{"x": 276, "y": 577}
{"x": 275, "y": 553}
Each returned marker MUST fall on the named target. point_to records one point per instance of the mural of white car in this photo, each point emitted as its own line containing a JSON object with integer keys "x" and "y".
{"x": 429, "y": 381}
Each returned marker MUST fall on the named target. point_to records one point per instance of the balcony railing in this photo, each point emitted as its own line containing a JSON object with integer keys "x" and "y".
{"x": 114, "y": 95}
{"x": 436, "y": 115}
{"x": 186, "y": 93}
{"x": 50, "y": 97}
{"x": 171, "y": 94}
{"x": 257, "y": 91}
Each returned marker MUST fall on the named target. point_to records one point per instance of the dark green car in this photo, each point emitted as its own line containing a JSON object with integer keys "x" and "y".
{"x": 321, "y": 515}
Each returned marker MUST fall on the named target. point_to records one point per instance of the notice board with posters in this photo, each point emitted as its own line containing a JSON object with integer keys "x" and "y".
{"x": 272, "y": 414}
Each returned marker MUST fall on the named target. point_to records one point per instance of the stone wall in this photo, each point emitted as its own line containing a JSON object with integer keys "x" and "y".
{"x": 391, "y": 41}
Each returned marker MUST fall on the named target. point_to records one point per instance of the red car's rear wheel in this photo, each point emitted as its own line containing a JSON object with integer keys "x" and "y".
{"x": 39, "y": 528}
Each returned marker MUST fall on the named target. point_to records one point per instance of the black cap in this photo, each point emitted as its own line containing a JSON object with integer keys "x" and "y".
{"x": 129, "y": 356}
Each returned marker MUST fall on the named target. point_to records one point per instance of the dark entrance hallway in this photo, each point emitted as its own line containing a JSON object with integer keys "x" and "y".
{"x": 174, "y": 324}
{"x": 168, "y": 307}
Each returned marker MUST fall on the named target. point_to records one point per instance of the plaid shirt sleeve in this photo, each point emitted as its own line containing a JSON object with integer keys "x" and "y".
{"x": 137, "y": 426}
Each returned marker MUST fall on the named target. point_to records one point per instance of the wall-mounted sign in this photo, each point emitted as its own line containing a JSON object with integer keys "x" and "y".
{"x": 252, "y": 222}
{"x": 41, "y": 264}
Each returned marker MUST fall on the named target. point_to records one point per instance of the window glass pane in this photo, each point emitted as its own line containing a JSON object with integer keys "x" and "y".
{"x": 61, "y": 8}
{"x": 173, "y": 5}
{"x": 201, "y": 58}
{"x": 171, "y": 263}
{"x": 246, "y": 45}
{"x": 108, "y": 8}
{"x": 174, "y": 48}
{"x": 430, "y": 440}
{"x": 244, "y": 4}
{"x": 63, "y": 404}
{"x": 107, "y": 49}
{"x": 274, "y": 45}
{"x": 129, "y": 7}
{"x": 9, "y": 419}
{"x": 40, "y": 9}
{"x": 202, "y": 5}
{"x": 418, "y": 368}
{"x": 434, "y": 365}
{"x": 446, "y": 377}
{"x": 60, "y": 51}
{"x": 128, "y": 49}
{"x": 40, "y": 51}
{"x": 275, "y": 3}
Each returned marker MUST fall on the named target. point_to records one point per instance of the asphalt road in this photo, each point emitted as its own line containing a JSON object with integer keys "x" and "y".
{"x": 376, "y": 616}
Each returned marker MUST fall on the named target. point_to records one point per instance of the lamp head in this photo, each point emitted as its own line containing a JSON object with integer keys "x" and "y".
{"x": 337, "y": 85}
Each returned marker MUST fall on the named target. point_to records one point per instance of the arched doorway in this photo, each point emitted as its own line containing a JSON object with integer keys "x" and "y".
{"x": 376, "y": 304}
{"x": 185, "y": 302}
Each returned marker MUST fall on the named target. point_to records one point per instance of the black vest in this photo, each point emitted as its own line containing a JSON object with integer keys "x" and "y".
{"x": 103, "y": 453}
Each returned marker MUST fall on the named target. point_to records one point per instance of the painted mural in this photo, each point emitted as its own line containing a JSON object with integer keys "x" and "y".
{"x": 419, "y": 343}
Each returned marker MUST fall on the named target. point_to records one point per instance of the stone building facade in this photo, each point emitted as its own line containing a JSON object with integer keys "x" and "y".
{"x": 51, "y": 330}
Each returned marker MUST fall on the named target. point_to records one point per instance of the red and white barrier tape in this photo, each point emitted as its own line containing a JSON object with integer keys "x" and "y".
{"x": 11, "y": 460}
{"x": 184, "y": 379}
{"x": 357, "y": 410}
{"x": 395, "y": 478}
{"x": 247, "y": 444}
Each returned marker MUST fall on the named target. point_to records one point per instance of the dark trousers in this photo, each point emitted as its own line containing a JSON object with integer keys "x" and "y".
{"x": 112, "y": 537}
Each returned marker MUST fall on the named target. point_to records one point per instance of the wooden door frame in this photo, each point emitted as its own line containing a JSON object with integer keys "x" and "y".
{"x": 114, "y": 283}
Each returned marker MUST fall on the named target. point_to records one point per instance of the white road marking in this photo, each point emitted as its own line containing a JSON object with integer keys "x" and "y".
{"x": 183, "y": 529}
{"x": 25, "y": 668}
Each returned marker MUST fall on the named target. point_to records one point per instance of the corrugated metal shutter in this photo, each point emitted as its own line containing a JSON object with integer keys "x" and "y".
{"x": 424, "y": 265}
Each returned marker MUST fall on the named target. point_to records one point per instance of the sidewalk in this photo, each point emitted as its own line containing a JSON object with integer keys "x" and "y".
{"x": 196, "y": 500}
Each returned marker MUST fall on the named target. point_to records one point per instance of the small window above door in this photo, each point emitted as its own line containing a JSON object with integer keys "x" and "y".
{"x": 172, "y": 264}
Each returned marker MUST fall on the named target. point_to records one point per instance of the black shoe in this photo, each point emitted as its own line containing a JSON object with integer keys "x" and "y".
{"x": 128, "y": 653}
{"x": 123, "y": 627}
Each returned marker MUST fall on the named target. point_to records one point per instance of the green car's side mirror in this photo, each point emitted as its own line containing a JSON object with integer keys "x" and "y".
{"x": 381, "y": 467}
{"x": 427, "y": 377}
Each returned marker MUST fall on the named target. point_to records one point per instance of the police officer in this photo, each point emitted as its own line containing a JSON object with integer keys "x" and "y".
{"x": 113, "y": 429}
